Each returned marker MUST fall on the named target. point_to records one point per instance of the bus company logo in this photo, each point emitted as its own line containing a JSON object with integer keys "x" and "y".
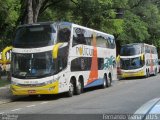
{"x": 80, "y": 49}
{"x": 84, "y": 51}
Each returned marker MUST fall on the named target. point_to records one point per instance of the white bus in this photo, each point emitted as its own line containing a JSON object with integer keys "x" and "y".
{"x": 138, "y": 59}
{"x": 51, "y": 58}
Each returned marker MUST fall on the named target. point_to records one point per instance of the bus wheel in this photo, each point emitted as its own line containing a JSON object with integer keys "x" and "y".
{"x": 147, "y": 74}
{"x": 155, "y": 72}
{"x": 79, "y": 88}
{"x": 109, "y": 81}
{"x": 71, "y": 89}
{"x": 104, "y": 81}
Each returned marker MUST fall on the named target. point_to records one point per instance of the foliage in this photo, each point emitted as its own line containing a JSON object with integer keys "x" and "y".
{"x": 140, "y": 22}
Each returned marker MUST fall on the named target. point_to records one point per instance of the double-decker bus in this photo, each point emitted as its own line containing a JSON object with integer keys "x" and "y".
{"x": 57, "y": 57}
{"x": 138, "y": 59}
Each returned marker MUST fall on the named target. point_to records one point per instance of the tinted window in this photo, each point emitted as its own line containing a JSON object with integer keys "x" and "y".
{"x": 100, "y": 63}
{"x": 81, "y": 64}
{"x": 34, "y": 36}
{"x": 105, "y": 41}
{"x": 131, "y": 63}
{"x": 64, "y": 35}
{"x": 79, "y": 37}
{"x": 129, "y": 50}
{"x": 33, "y": 65}
{"x": 82, "y": 36}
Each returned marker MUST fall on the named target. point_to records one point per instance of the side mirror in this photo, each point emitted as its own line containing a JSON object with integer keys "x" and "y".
{"x": 142, "y": 56}
{"x": 55, "y": 50}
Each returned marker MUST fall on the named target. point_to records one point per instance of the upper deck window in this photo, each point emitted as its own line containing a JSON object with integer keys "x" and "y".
{"x": 34, "y": 36}
{"x": 64, "y": 35}
{"x": 129, "y": 50}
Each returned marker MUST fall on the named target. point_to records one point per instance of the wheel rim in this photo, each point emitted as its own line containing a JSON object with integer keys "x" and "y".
{"x": 109, "y": 81}
{"x": 146, "y": 73}
{"x": 104, "y": 82}
{"x": 71, "y": 88}
{"x": 155, "y": 71}
{"x": 79, "y": 86}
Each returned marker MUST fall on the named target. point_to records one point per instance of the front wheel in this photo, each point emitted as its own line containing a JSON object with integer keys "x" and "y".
{"x": 104, "y": 81}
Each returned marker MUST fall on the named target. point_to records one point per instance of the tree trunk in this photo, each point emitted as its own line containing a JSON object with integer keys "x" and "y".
{"x": 36, "y": 8}
{"x": 33, "y": 8}
{"x": 30, "y": 12}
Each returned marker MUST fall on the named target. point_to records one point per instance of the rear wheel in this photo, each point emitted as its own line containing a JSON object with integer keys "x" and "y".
{"x": 109, "y": 81}
{"x": 71, "y": 89}
{"x": 147, "y": 74}
{"x": 155, "y": 72}
{"x": 79, "y": 88}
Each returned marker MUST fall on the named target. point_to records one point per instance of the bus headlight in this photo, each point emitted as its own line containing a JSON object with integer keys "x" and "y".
{"x": 14, "y": 83}
{"x": 50, "y": 82}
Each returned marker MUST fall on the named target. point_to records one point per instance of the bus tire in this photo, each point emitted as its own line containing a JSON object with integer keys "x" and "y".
{"x": 109, "y": 81}
{"x": 155, "y": 72}
{"x": 79, "y": 88}
{"x": 147, "y": 74}
{"x": 71, "y": 89}
{"x": 104, "y": 85}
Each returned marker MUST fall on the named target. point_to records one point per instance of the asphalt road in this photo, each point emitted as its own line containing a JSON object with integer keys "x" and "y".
{"x": 124, "y": 97}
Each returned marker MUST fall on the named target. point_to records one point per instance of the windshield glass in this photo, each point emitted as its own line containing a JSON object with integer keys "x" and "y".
{"x": 35, "y": 65}
{"x": 129, "y": 50}
{"x": 34, "y": 36}
{"x": 131, "y": 63}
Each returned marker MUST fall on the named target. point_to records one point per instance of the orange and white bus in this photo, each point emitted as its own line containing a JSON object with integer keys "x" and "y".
{"x": 138, "y": 59}
{"x": 51, "y": 58}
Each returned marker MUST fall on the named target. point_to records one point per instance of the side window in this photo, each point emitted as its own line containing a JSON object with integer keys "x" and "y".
{"x": 155, "y": 51}
{"x": 112, "y": 42}
{"x": 142, "y": 49}
{"x": 152, "y": 50}
{"x": 100, "y": 63}
{"x": 147, "y": 49}
{"x": 81, "y": 64}
{"x": 62, "y": 58}
{"x": 79, "y": 36}
{"x": 105, "y": 41}
{"x": 64, "y": 35}
{"x": 101, "y": 41}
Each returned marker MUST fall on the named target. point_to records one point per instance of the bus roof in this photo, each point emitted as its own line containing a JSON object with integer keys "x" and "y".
{"x": 44, "y": 23}
{"x": 67, "y": 23}
{"x": 137, "y": 44}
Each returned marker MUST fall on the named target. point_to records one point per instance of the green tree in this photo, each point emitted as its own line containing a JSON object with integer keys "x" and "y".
{"x": 9, "y": 13}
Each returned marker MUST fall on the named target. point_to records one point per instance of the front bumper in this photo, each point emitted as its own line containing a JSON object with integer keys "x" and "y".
{"x": 30, "y": 90}
{"x": 132, "y": 74}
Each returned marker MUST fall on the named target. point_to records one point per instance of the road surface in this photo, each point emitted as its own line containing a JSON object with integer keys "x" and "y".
{"x": 124, "y": 97}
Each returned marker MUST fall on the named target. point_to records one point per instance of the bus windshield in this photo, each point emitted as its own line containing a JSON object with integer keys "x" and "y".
{"x": 129, "y": 50}
{"x": 37, "y": 65}
{"x": 34, "y": 36}
{"x": 131, "y": 63}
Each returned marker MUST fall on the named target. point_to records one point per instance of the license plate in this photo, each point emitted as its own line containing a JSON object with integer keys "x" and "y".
{"x": 31, "y": 91}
